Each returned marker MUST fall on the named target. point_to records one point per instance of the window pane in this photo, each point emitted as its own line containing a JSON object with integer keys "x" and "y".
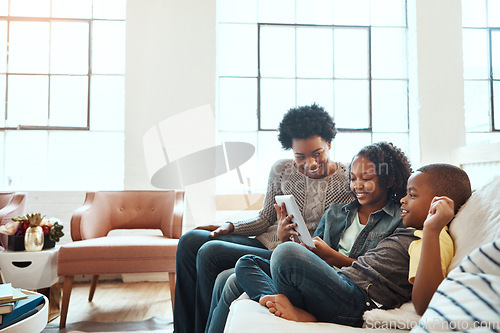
{"x": 346, "y": 145}
{"x": 388, "y": 12}
{"x": 400, "y": 140}
{"x": 351, "y": 103}
{"x": 390, "y": 106}
{"x": 277, "y": 11}
{"x": 109, "y": 9}
{"x": 314, "y": 52}
{"x": 475, "y": 51}
{"x": 244, "y": 11}
{"x": 477, "y": 105}
{"x": 272, "y": 108}
{"x": 268, "y": 152}
{"x": 70, "y": 45}
{"x": 314, "y": 12}
{"x": 2, "y": 99}
{"x": 474, "y": 13}
{"x": 237, "y": 51}
{"x": 315, "y": 91}
{"x": 351, "y": 53}
{"x": 4, "y": 7}
{"x": 18, "y": 146}
{"x": 107, "y": 103}
{"x": 105, "y": 170}
{"x": 72, "y": 8}
{"x": 237, "y": 104}
{"x": 496, "y": 101}
{"x": 108, "y": 48}
{"x": 495, "y": 53}
{"x": 68, "y": 101}
{"x": 3, "y": 46}
{"x": 29, "y": 47}
{"x": 27, "y": 100}
{"x": 351, "y": 12}
{"x": 33, "y": 8}
{"x": 277, "y": 49}
{"x": 494, "y": 13}
{"x": 389, "y": 58}
{"x": 230, "y": 181}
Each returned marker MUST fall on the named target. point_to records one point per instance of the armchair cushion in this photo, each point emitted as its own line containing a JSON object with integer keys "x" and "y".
{"x": 118, "y": 254}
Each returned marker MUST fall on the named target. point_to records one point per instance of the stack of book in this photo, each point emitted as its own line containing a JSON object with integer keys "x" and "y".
{"x": 16, "y": 305}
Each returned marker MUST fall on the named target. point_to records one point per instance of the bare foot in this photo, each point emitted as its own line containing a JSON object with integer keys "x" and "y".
{"x": 280, "y": 306}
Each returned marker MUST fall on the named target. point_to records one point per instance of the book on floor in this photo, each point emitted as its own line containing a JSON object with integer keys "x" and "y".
{"x": 21, "y": 309}
{"x": 17, "y": 295}
{"x": 6, "y": 291}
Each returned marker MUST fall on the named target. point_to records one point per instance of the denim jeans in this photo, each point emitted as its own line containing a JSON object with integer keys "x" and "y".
{"x": 308, "y": 282}
{"x": 200, "y": 258}
{"x": 222, "y": 299}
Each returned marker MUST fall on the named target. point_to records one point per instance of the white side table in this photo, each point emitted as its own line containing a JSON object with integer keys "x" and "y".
{"x": 29, "y": 270}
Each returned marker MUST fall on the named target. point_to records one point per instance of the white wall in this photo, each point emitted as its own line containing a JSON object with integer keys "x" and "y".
{"x": 170, "y": 68}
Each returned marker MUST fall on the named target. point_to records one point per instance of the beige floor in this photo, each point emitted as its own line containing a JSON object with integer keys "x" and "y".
{"x": 118, "y": 301}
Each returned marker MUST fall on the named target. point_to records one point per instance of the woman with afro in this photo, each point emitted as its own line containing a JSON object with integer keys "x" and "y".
{"x": 311, "y": 177}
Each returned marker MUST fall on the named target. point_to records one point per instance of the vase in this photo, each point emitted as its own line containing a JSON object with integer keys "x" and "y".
{"x": 33, "y": 239}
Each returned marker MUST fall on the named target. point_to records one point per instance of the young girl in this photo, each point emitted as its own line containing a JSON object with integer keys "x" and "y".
{"x": 378, "y": 176}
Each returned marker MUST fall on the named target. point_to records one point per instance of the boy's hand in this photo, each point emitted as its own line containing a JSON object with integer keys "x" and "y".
{"x": 441, "y": 212}
{"x": 285, "y": 225}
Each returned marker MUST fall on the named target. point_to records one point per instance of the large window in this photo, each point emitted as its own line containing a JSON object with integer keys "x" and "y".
{"x": 481, "y": 49}
{"x": 62, "y": 66}
{"x": 347, "y": 55}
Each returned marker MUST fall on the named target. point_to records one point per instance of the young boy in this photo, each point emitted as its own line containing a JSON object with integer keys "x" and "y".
{"x": 305, "y": 288}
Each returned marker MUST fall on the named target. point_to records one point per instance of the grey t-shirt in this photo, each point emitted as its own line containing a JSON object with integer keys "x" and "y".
{"x": 383, "y": 271}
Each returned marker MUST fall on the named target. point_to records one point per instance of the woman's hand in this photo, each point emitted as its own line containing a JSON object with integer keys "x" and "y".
{"x": 285, "y": 226}
{"x": 224, "y": 229}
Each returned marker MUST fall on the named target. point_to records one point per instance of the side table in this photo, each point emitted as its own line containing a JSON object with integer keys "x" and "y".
{"x": 34, "y": 271}
{"x": 29, "y": 270}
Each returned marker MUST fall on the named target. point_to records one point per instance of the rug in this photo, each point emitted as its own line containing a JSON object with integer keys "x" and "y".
{"x": 155, "y": 324}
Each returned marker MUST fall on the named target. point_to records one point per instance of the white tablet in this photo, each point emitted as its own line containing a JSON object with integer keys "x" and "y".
{"x": 292, "y": 208}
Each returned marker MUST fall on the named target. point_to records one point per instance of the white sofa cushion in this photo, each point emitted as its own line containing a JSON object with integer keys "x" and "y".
{"x": 247, "y": 316}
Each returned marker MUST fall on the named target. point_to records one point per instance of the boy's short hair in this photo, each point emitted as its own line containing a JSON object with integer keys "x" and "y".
{"x": 448, "y": 180}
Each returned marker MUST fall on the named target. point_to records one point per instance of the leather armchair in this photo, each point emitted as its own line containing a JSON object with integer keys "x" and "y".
{"x": 94, "y": 252}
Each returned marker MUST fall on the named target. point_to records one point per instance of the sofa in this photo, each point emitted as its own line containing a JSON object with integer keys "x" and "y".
{"x": 467, "y": 292}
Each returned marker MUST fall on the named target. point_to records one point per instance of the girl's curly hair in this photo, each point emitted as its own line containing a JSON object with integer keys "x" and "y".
{"x": 304, "y": 122}
{"x": 391, "y": 166}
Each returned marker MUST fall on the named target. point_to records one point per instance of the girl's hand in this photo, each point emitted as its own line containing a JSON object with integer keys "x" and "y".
{"x": 224, "y": 229}
{"x": 441, "y": 212}
{"x": 285, "y": 226}
{"x": 322, "y": 249}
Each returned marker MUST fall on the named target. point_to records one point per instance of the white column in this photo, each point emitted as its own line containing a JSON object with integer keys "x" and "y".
{"x": 437, "y": 120}
{"x": 170, "y": 68}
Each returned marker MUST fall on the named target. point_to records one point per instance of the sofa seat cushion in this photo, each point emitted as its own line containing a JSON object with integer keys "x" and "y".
{"x": 118, "y": 254}
{"x": 245, "y": 314}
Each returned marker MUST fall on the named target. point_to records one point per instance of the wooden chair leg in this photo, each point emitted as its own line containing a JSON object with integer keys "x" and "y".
{"x": 171, "y": 281}
{"x": 93, "y": 285}
{"x": 67, "y": 287}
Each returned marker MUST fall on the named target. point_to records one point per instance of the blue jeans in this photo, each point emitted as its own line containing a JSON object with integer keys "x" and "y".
{"x": 200, "y": 258}
{"x": 222, "y": 299}
{"x": 308, "y": 282}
